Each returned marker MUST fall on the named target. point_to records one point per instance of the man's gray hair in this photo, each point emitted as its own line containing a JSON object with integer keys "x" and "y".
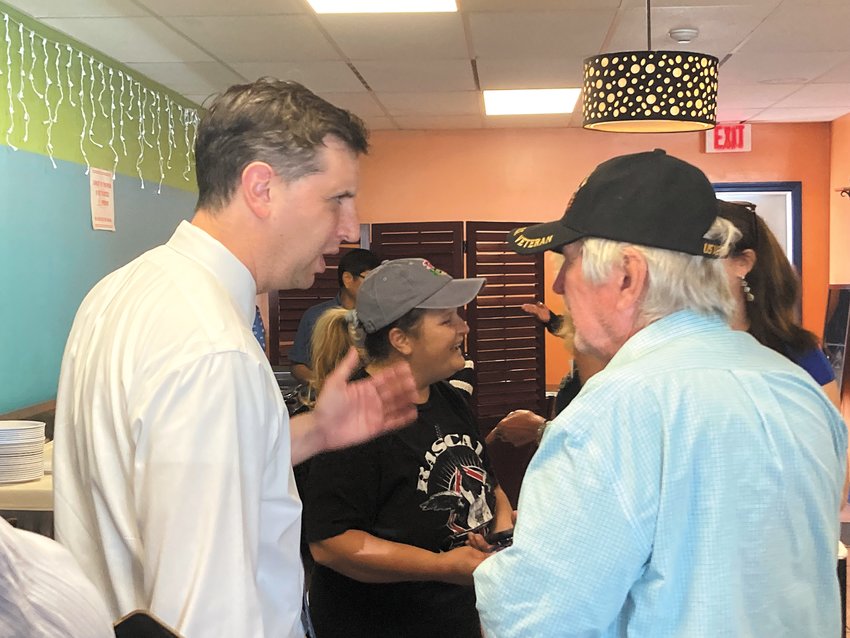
{"x": 676, "y": 281}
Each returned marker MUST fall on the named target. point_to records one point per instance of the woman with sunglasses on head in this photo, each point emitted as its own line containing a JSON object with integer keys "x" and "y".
{"x": 767, "y": 291}
{"x": 388, "y": 521}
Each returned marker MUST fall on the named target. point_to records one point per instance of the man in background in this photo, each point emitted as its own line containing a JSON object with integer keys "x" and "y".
{"x": 353, "y": 267}
{"x": 173, "y": 448}
{"x": 690, "y": 489}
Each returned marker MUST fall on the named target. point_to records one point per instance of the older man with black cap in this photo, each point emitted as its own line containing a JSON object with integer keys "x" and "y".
{"x": 690, "y": 489}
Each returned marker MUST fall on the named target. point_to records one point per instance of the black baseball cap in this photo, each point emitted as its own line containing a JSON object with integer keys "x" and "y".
{"x": 649, "y": 199}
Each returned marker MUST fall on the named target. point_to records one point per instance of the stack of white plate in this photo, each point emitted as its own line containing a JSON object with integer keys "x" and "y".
{"x": 21, "y": 451}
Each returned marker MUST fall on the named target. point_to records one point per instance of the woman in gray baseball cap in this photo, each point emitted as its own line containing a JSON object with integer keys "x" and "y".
{"x": 388, "y": 521}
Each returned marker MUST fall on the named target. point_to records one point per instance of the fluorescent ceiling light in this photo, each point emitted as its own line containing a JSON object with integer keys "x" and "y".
{"x": 383, "y": 6}
{"x": 530, "y": 101}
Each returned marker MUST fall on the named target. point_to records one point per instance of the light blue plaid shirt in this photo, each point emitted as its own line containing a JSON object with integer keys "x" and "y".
{"x": 691, "y": 490}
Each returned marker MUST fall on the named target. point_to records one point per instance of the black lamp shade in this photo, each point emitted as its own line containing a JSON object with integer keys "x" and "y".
{"x": 650, "y": 92}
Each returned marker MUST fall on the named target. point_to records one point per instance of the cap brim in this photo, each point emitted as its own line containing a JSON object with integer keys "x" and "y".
{"x": 528, "y": 240}
{"x": 456, "y": 293}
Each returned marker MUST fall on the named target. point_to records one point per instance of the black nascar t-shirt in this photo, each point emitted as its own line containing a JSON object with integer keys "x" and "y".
{"x": 427, "y": 485}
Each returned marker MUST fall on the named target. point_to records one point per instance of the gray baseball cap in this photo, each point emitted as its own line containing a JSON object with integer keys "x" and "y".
{"x": 396, "y": 287}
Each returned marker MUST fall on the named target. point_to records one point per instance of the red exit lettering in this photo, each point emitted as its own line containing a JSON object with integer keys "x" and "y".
{"x": 729, "y": 138}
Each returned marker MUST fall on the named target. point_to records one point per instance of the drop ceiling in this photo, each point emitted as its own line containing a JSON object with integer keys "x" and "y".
{"x": 781, "y": 60}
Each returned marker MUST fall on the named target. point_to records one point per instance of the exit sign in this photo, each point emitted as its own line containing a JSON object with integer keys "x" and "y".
{"x": 729, "y": 138}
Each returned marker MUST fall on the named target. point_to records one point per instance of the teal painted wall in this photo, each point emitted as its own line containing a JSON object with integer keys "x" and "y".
{"x": 50, "y": 257}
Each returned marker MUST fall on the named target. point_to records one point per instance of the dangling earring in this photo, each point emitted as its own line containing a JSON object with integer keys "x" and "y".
{"x": 748, "y": 295}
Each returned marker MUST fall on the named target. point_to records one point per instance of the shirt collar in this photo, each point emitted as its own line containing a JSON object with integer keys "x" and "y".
{"x": 199, "y": 246}
{"x": 656, "y": 334}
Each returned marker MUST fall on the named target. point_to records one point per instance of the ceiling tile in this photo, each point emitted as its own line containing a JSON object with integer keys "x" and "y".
{"x": 824, "y": 95}
{"x": 412, "y": 122}
{"x": 733, "y": 114}
{"x": 721, "y": 28}
{"x": 258, "y": 38}
{"x": 396, "y": 76}
{"x": 223, "y": 7}
{"x": 775, "y": 67}
{"x": 767, "y": 4}
{"x": 317, "y": 76}
{"x": 813, "y": 114}
{"x": 361, "y": 104}
{"x": 838, "y": 73}
{"x": 200, "y": 99}
{"x": 530, "y": 73}
{"x": 380, "y": 123}
{"x": 753, "y": 96}
{"x": 796, "y": 27}
{"x": 549, "y": 34}
{"x": 536, "y": 5}
{"x": 453, "y": 103}
{"x": 190, "y": 77}
{"x": 130, "y": 39}
{"x": 78, "y": 8}
{"x": 398, "y": 36}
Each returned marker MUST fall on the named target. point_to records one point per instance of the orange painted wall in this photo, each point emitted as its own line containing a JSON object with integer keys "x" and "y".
{"x": 530, "y": 174}
{"x": 839, "y": 218}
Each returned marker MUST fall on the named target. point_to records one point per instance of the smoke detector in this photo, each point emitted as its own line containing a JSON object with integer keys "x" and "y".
{"x": 683, "y": 35}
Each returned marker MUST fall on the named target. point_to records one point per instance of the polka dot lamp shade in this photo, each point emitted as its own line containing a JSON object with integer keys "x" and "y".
{"x": 650, "y": 92}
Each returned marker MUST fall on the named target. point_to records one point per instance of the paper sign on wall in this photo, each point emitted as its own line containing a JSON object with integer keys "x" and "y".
{"x": 102, "y": 201}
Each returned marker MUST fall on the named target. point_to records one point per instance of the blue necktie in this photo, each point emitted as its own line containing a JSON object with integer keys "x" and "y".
{"x": 259, "y": 329}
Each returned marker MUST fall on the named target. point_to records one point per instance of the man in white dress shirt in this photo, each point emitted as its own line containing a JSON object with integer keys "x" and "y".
{"x": 174, "y": 451}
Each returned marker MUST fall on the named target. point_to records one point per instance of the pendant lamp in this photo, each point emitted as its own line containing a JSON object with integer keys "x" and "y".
{"x": 650, "y": 91}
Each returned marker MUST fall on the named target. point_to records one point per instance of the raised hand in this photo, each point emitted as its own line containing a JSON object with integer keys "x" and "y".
{"x": 350, "y": 412}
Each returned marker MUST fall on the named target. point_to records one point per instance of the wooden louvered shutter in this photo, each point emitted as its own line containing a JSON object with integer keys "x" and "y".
{"x": 287, "y": 306}
{"x": 506, "y": 344}
{"x": 441, "y": 243}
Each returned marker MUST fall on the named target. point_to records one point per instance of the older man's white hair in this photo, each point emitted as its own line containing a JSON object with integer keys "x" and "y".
{"x": 676, "y": 281}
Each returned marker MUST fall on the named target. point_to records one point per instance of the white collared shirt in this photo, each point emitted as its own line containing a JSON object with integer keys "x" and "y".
{"x": 173, "y": 482}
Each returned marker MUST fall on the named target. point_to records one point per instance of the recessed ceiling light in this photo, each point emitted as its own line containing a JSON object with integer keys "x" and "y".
{"x": 383, "y": 6}
{"x": 530, "y": 101}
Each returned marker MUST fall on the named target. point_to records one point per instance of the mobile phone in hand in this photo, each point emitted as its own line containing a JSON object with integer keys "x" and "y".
{"x": 500, "y": 540}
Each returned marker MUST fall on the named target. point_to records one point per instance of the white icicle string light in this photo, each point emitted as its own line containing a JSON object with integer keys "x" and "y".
{"x": 112, "y": 123}
{"x": 70, "y": 79}
{"x": 155, "y": 112}
{"x": 33, "y": 60}
{"x": 92, "y": 104}
{"x": 142, "y": 140}
{"x": 147, "y": 103}
{"x": 58, "y": 82}
{"x": 84, "y": 127}
{"x": 9, "y": 85}
{"x": 51, "y": 116}
{"x": 102, "y": 89}
{"x": 169, "y": 116}
{"x": 184, "y": 120}
{"x": 121, "y": 115}
{"x": 21, "y": 86}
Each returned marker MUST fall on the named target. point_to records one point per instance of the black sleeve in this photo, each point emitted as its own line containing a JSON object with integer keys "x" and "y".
{"x": 554, "y": 324}
{"x": 342, "y": 492}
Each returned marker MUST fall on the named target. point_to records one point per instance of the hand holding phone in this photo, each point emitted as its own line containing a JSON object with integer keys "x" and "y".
{"x": 500, "y": 540}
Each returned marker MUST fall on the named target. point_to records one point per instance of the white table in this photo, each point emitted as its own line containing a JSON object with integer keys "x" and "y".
{"x": 32, "y": 496}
